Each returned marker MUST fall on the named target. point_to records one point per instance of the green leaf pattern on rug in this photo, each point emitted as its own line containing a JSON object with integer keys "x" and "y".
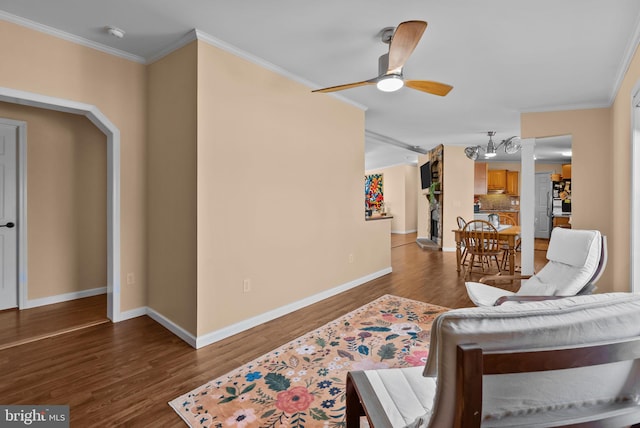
{"x": 277, "y": 382}
{"x": 387, "y": 352}
{"x": 302, "y": 383}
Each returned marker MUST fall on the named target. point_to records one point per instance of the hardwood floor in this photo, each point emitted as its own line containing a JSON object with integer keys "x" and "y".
{"x": 124, "y": 374}
{"x": 19, "y": 327}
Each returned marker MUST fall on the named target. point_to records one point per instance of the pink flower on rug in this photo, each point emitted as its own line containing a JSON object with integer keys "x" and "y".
{"x": 392, "y": 317}
{"x": 241, "y": 418}
{"x": 417, "y": 358}
{"x": 369, "y": 365}
{"x": 294, "y": 400}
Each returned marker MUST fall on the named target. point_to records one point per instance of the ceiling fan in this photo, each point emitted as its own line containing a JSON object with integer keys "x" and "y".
{"x": 401, "y": 43}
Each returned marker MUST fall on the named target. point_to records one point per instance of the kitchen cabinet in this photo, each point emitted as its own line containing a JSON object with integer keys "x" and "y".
{"x": 513, "y": 186}
{"x": 480, "y": 178}
{"x": 561, "y": 222}
{"x": 566, "y": 171}
{"x": 497, "y": 180}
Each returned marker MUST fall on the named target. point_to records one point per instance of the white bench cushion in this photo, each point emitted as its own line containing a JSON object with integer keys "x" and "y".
{"x": 569, "y": 321}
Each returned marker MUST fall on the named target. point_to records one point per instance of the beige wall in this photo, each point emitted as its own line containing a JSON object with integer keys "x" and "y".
{"x": 277, "y": 205}
{"x": 400, "y": 184}
{"x": 66, "y": 201}
{"x": 457, "y": 187}
{"x": 457, "y": 192}
{"x": 591, "y": 172}
{"x": 172, "y": 191}
{"x": 50, "y": 66}
{"x": 620, "y": 177}
{"x": 411, "y": 188}
{"x": 266, "y": 200}
{"x": 424, "y": 216}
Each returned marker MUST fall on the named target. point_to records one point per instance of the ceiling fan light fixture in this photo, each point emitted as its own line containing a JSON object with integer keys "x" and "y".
{"x": 511, "y": 145}
{"x": 390, "y": 83}
{"x": 472, "y": 152}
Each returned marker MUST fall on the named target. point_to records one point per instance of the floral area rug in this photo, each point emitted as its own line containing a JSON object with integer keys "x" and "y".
{"x": 302, "y": 384}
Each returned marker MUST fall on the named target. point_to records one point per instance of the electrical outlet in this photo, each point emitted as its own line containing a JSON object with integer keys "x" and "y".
{"x": 351, "y": 258}
{"x": 246, "y": 285}
{"x": 131, "y": 279}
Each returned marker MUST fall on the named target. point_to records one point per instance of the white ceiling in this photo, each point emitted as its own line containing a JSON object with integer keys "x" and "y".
{"x": 503, "y": 57}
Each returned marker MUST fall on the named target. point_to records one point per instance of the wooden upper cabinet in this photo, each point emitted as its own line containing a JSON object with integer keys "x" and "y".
{"x": 497, "y": 179}
{"x": 513, "y": 187}
{"x": 480, "y": 178}
{"x": 566, "y": 171}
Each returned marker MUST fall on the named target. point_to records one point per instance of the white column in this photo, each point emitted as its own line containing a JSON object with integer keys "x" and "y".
{"x": 527, "y": 205}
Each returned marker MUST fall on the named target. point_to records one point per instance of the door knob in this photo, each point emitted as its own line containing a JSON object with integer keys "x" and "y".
{"x": 9, "y": 225}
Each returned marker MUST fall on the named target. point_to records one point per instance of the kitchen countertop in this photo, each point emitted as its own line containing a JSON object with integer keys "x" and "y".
{"x": 561, "y": 215}
{"x": 497, "y": 211}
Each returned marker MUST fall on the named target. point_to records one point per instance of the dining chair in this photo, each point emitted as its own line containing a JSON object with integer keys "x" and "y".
{"x": 461, "y": 224}
{"x": 504, "y": 263}
{"x": 481, "y": 242}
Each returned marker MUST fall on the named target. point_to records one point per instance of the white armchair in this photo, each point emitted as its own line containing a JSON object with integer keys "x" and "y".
{"x": 569, "y": 362}
{"x": 577, "y": 259}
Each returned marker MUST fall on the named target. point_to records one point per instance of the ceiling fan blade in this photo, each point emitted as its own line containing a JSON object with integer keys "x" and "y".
{"x": 347, "y": 86}
{"x": 435, "y": 88}
{"x": 404, "y": 41}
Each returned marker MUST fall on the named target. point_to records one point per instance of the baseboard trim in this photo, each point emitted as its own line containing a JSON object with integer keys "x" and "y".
{"x": 34, "y": 303}
{"x": 172, "y": 327}
{"x": 449, "y": 249}
{"x": 404, "y": 232}
{"x": 133, "y": 313}
{"x": 217, "y": 335}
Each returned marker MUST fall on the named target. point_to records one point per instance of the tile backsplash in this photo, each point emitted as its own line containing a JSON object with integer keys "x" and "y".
{"x": 499, "y": 202}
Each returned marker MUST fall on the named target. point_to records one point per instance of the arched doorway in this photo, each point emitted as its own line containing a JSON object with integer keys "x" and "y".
{"x": 113, "y": 187}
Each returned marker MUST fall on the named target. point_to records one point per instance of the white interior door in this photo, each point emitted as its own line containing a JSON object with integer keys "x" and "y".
{"x": 542, "y": 228}
{"x": 8, "y": 217}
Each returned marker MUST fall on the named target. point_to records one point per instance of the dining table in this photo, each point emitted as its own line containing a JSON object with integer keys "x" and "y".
{"x": 509, "y": 235}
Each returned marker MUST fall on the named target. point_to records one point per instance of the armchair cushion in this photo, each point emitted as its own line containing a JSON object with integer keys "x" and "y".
{"x": 570, "y": 246}
{"x": 573, "y": 257}
{"x": 483, "y": 294}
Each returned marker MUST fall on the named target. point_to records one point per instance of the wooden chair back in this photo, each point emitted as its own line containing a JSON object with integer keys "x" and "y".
{"x": 481, "y": 238}
{"x": 505, "y": 219}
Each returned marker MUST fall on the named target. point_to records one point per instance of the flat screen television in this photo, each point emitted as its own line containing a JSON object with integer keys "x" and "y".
{"x": 425, "y": 175}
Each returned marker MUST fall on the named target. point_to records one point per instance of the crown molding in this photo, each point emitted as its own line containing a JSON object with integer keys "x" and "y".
{"x": 192, "y": 35}
{"x": 207, "y": 38}
{"x": 629, "y": 52}
{"x": 181, "y": 42}
{"x": 586, "y": 106}
{"x": 69, "y": 37}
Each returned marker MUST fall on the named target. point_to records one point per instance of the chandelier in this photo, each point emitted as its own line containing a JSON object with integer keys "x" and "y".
{"x": 511, "y": 145}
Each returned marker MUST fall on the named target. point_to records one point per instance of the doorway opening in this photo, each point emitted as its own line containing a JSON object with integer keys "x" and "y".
{"x": 113, "y": 185}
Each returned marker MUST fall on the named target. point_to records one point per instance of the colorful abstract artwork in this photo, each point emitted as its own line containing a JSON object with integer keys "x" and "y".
{"x": 373, "y": 195}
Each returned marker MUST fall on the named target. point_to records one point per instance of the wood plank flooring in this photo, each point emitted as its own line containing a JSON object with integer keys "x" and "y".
{"x": 19, "y": 327}
{"x": 124, "y": 374}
